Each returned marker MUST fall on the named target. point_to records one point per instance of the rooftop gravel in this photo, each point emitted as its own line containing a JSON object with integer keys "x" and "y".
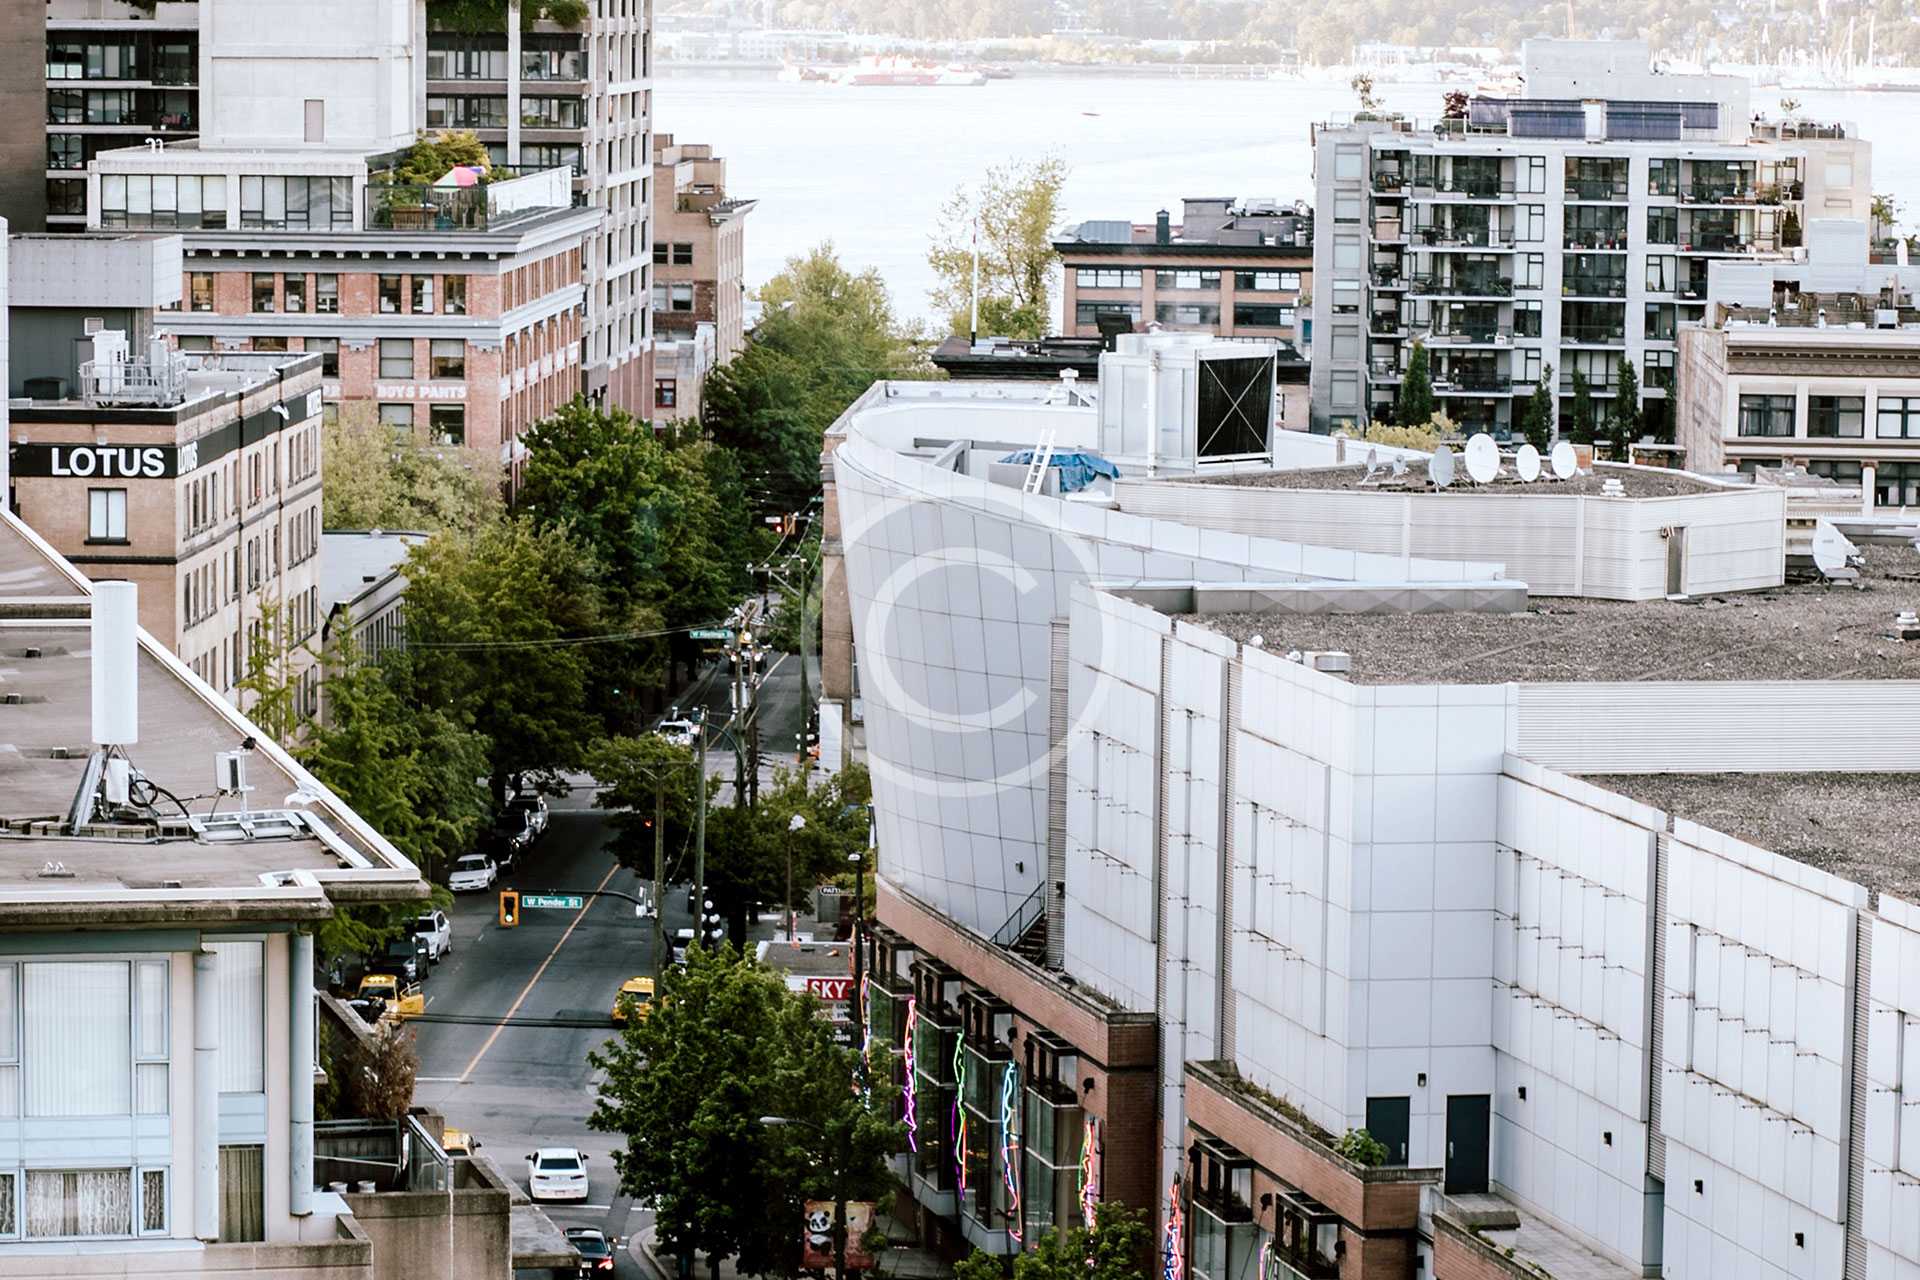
{"x": 1797, "y": 632}
{"x": 1640, "y": 482}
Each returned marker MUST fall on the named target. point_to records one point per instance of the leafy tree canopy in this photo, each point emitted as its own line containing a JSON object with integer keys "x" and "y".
{"x": 1013, "y": 210}
{"x": 478, "y": 17}
{"x": 376, "y": 478}
{"x": 434, "y": 155}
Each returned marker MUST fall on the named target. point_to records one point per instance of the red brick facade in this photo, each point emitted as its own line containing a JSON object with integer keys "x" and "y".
{"x": 1460, "y": 1255}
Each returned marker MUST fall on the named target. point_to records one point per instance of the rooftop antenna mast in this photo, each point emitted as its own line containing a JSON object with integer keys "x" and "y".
{"x": 115, "y": 629}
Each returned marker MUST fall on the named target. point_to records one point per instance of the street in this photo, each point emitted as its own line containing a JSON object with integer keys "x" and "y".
{"x": 513, "y": 1013}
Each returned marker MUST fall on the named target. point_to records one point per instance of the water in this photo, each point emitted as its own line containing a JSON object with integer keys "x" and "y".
{"x": 869, "y": 168}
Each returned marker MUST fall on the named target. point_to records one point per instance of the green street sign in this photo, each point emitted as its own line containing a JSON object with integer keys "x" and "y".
{"x": 555, "y": 901}
{"x": 707, "y": 634}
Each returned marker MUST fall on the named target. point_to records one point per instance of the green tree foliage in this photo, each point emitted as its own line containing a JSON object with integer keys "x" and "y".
{"x": 687, "y": 1087}
{"x": 828, "y": 335}
{"x": 1014, "y": 209}
{"x": 638, "y": 778}
{"x": 1112, "y": 1250}
{"x": 1625, "y": 423}
{"x": 1537, "y": 424}
{"x": 434, "y": 155}
{"x": 665, "y": 522}
{"x": 1362, "y": 1148}
{"x": 376, "y": 478}
{"x": 494, "y": 623}
{"x": 1580, "y": 420}
{"x": 1414, "y": 405}
{"x": 747, "y": 848}
{"x": 479, "y": 17}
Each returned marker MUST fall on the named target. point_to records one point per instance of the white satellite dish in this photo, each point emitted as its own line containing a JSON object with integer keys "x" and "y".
{"x": 1527, "y": 463}
{"x": 1565, "y": 465}
{"x": 1483, "y": 458}
{"x": 1440, "y": 469}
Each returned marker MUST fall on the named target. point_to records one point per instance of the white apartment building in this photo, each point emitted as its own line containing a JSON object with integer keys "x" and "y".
{"x": 1569, "y": 227}
{"x": 1206, "y": 845}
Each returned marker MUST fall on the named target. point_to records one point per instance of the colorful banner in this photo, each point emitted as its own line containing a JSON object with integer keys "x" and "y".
{"x": 816, "y": 1237}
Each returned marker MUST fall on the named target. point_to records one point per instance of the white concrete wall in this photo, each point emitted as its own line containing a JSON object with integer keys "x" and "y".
{"x": 1605, "y": 548}
{"x": 261, "y": 61}
{"x": 1756, "y": 1045}
{"x": 1892, "y": 1220}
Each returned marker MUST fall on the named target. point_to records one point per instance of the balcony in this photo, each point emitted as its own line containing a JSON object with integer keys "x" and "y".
{"x": 1596, "y": 388}
{"x": 1720, "y": 242}
{"x": 1471, "y": 382}
{"x": 1389, "y": 278}
{"x": 1496, "y": 238}
{"x": 1387, "y": 326}
{"x": 1389, "y": 231}
{"x": 1739, "y": 193}
{"x": 1384, "y": 369}
{"x": 1607, "y": 241}
{"x": 1466, "y": 188}
{"x": 403, "y": 207}
{"x": 1389, "y": 183}
{"x": 1594, "y": 335}
{"x": 1594, "y": 287}
{"x": 1471, "y": 336}
{"x": 1469, "y": 286}
{"x": 1597, "y": 190}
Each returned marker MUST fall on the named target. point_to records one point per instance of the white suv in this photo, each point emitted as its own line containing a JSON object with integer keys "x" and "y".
{"x": 437, "y": 931}
{"x": 678, "y": 732}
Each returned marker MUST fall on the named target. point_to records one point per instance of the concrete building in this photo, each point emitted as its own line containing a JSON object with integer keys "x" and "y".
{"x": 23, "y": 142}
{"x": 699, "y": 270}
{"x": 363, "y": 587}
{"x": 456, "y": 312}
{"x": 1569, "y": 227}
{"x": 163, "y": 1048}
{"x": 581, "y": 99}
{"x": 1809, "y": 364}
{"x": 1201, "y": 847}
{"x": 1233, "y": 267}
{"x": 196, "y": 477}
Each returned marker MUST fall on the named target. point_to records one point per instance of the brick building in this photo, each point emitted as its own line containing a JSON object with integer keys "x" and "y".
{"x": 699, "y": 272}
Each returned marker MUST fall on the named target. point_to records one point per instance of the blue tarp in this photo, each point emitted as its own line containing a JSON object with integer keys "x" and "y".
{"x": 1077, "y": 470}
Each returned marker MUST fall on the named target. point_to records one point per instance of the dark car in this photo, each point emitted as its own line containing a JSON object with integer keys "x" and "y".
{"x": 528, "y": 809}
{"x": 503, "y": 848}
{"x": 405, "y": 957}
{"x": 596, "y": 1251}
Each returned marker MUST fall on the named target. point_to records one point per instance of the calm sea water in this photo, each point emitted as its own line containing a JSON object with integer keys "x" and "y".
{"x": 868, "y": 168}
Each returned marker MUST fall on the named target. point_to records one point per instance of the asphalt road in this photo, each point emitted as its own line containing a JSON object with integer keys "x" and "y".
{"x": 778, "y": 714}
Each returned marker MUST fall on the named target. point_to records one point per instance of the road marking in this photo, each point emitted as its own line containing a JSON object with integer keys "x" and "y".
{"x": 528, "y": 989}
{"x": 775, "y": 667}
{"x": 436, "y": 1079}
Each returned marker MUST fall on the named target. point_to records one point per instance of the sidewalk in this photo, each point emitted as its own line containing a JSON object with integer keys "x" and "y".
{"x": 902, "y": 1258}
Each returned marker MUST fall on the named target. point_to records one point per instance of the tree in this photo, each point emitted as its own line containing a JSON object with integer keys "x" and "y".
{"x": 1537, "y": 424}
{"x": 502, "y": 630}
{"x": 1624, "y": 423}
{"x": 377, "y": 478}
{"x": 1012, "y": 211}
{"x": 747, "y": 848}
{"x": 1580, "y": 423}
{"x": 435, "y": 155}
{"x": 482, "y": 17}
{"x": 1414, "y": 405}
{"x": 687, "y": 1087}
{"x": 1362, "y": 85}
{"x": 271, "y": 687}
{"x": 378, "y": 1073}
{"x": 646, "y": 781}
{"x": 827, "y": 336}
{"x": 1112, "y": 1250}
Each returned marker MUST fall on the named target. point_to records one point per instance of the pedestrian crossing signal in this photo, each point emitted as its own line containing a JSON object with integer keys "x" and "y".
{"x": 509, "y": 908}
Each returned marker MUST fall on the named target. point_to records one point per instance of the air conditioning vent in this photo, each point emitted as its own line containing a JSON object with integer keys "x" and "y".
{"x": 93, "y": 324}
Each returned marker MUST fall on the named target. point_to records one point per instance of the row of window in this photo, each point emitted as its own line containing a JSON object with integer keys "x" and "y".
{"x": 446, "y": 423}
{"x": 1251, "y": 315}
{"x": 492, "y": 64}
{"x": 487, "y": 112}
{"x": 446, "y": 359}
{"x": 673, "y": 296}
{"x": 678, "y": 254}
{"x": 164, "y": 58}
{"x": 267, "y": 203}
{"x": 295, "y": 293}
{"x": 1830, "y": 417}
{"x": 1130, "y": 278}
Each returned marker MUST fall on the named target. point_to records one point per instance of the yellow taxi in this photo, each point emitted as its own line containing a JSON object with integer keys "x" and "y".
{"x": 406, "y": 1000}
{"x": 635, "y": 994}
{"x": 458, "y": 1142}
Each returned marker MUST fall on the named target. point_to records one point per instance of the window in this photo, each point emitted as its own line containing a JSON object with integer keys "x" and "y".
{"x": 261, "y": 343}
{"x": 276, "y": 202}
{"x": 1347, "y": 162}
{"x": 153, "y": 1202}
{"x": 1663, "y": 179}
{"x": 198, "y": 342}
{"x": 1266, "y": 281}
{"x": 1663, "y": 226}
{"x": 1896, "y": 484}
{"x": 1186, "y": 279}
{"x": 1346, "y": 389}
{"x": 66, "y": 197}
{"x": 665, "y": 393}
{"x": 1769, "y": 415}
{"x": 1346, "y": 208}
{"x": 66, "y": 151}
{"x": 70, "y": 1203}
{"x": 1659, "y": 321}
{"x": 1262, "y": 315}
{"x": 449, "y": 357}
{"x": 1090, "y": 312}
{"x": 106, "y": 515}
{"x": 77, "y": 1042}
{"x": 1837, "y": 417}
{"x": 421, "y": 298}
{"x": 329, "y": 350}
{"x": 200, "y": 290}
{"x": 1663, "y": 273}
{"x": 1897, "y": 418}
{"x": 447, "y": 423}
{"x": 682, "y": 297}
{"x": 1346, "y": 297}
{"x": 1530, "y": 223}
{"x": 397, "y": 415}
{"x": 263, "y": 291}
{"x": 294, "y": 293}
{"x": 149, "y": 201}
{"x": 1106, "y": 277}
{"x": 150, "y": 1047}
{"x": 453, "y": 296}
{"x": 550, "y": 113}
{"x": 326, "y": 294}
{"x": 242, "y": 1194}
{"x": 1530, "y": 174}
{"x": 660, "y": 254}
{"x": 389, "y": 295}
{"x": 1526, "y": 319}
{"x": 1530, "y": 270}
{"x": 682, "y": 254}
{"x": 1197, "y": 313}
{"x": 1346, "y": 253}
{"x": 1346, "y": 342}
{"x": 396, "y": 357}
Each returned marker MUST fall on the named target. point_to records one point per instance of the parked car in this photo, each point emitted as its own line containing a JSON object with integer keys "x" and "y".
{"x": 503, "y": 848}
{"x": 594, "y": 1248}
{"x": 634, "y": 998}
{"x": 557, "y": 1173}
{"x": 530, "y": 807}
{"x": 682, "y": 939}
{"x": 458, "y": 1142}
{"x": 437, "y": 931}
{"x": 473, "y": 871}
{"x": 678, "y": 732}
{"x": 398, "y": 999}
{"x": 404, "y": 956}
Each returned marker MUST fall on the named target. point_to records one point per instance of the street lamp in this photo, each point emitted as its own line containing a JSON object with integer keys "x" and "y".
{"x": 795, "y": 826}
{"x": 859, "y": 1001}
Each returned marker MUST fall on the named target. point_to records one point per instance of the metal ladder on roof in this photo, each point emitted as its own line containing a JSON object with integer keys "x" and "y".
{"x": 1042, "y": 459}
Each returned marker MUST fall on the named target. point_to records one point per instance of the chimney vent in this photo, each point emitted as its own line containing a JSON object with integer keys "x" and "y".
{"x": 1162, "y": 228}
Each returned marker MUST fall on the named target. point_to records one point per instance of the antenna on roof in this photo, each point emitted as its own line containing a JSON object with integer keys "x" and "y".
{"x": 1565, "y": 465}
{"x": 115, "y": 674}
{"x": 1483, "y": 458}
{"x": 1373, "y": 464}
{"x": 1440, "y": 469}
{"x": 1526, "y": 463}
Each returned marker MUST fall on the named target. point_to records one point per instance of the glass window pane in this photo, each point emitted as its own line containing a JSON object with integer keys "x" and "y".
{"x": 77, "y": 1038}
{"x": 150, "y": 1003}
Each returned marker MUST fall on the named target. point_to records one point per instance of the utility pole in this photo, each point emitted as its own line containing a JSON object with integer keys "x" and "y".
{"x": 740, "y": 641}
{"x": 753, "y": 741}
{"x": 659, "y": 877}
{"x": 806, "y": 635}
{"x": 699, "y": 822}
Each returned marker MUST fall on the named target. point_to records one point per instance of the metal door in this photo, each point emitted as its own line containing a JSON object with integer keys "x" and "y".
{"x": 1468, "y": 1137}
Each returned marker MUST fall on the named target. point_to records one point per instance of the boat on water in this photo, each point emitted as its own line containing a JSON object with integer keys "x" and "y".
{"x": 895, "y": 72}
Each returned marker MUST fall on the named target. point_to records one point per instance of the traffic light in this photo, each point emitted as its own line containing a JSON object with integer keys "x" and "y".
{"x": 509, "y": 909}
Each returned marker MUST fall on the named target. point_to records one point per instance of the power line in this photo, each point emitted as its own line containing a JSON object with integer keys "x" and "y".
{"x": 567, "y": 642}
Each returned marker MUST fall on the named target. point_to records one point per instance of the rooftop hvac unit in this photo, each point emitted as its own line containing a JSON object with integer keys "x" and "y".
{"x": 1177, "y": 400}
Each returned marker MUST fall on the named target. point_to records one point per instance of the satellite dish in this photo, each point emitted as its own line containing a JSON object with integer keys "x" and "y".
{"x": 1565, "y": 465}
{"x": 1527, "y": 463}
{"x": 1483, "y": 458}
{"x": 1440, "y": 469}
{"x": 1399, "y": 465}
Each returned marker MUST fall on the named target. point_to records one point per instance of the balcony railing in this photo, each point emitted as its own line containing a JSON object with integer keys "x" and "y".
{"x": 1471, "y": 381}
{"x": 1388, "y": 325}
{"x": 1388, "y": 182}
{"x": 1597, "y": 388}
{"x": 1597, "y": 239}
{"x": 1384, "y": 367}
{"x": 1463, "y": 237}
{"x": 1473, "y": 335}
{"x": 406, "y": 207}
{"x": 1468, "y": 286}
{"x": 1738, "y": 193}
{"x": 1718, "y": 242}
{"x": 1594, "y": 287}
{"x": 1608, "y": 189}
{"x": 1473, "y": 188}
{"x": 1594, "y": 334}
